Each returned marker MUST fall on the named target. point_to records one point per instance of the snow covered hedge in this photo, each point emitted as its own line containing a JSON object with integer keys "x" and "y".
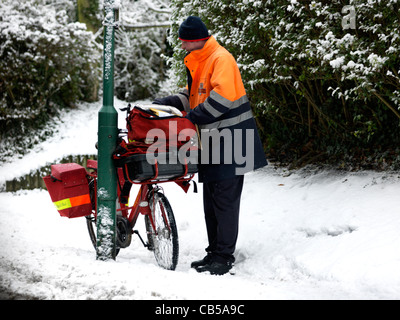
{"x": 323, "y": 76}
{"x": 46, "y": 62}
{"x": 139, "y": 47}
{"x": 49, "y": 61}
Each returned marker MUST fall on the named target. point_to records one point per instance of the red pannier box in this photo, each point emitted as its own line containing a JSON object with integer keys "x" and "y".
{"x": 69, "y": 190}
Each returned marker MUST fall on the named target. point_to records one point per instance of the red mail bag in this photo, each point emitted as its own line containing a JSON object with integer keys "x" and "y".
{"x": 68, "y": 187}
{"x": 145, "y": 126}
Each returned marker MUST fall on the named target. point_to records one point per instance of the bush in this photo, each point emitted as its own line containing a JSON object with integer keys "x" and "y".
{"x": 319, "y": 91}
{"x": 139, "y": 47}
{"x": 139, "y": 69}
{"x": 46, "y": 62}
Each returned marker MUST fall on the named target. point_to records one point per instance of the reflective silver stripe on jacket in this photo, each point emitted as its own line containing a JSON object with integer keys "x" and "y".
{"x": 230, "y": 105}
{"x": 223, "y": 101}
{"x": 228, "y": 122}
{"x": 183, "y": 96}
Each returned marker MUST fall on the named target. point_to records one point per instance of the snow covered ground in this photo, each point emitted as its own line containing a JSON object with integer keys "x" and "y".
{"x": 305, "y": 234}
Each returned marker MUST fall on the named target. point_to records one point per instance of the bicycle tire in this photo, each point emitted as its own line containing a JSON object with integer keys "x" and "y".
{"x": 90, "y": 219}
{"x": 164, "y": 242}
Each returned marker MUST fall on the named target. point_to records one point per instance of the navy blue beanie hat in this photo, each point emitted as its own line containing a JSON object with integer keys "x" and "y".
{"x": 193, "y": 29}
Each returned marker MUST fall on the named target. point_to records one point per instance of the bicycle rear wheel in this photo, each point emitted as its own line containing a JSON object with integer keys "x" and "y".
{"x": 124, "y": 231}
{"x": 91, "y": 219}
{"x": 163, "y": 240}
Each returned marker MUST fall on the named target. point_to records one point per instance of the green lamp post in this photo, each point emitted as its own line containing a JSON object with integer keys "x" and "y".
{"x": 107, "y": 138}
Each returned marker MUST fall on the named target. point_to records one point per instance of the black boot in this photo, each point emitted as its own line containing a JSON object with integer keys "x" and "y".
{"x": 200, "y": 263}
{"x": 216, "y": 268}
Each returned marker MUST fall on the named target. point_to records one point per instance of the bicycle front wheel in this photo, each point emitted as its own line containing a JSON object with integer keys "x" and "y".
{"x": 162, "y": 234}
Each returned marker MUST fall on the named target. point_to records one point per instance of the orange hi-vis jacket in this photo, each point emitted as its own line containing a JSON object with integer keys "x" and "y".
{"x": 216, "y": 87}
{"x": 214, "y": 72}
{"x": 216, "y": 101}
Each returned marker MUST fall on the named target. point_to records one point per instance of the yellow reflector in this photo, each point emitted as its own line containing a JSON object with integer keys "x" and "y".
{"x": 72, "y": 202}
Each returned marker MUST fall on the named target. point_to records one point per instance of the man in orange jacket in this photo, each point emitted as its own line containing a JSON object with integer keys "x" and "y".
{"x": 215, "y": 100}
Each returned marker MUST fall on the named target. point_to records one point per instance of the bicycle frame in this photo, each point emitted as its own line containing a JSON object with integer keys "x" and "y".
{"x": 141, "y": 204}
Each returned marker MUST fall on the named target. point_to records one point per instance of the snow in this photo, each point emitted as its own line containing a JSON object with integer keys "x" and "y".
{"x": 337, "y": 63}
{"x": 306, "y": 234}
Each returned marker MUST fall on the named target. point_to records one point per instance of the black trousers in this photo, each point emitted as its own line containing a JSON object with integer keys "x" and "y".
{"x": 221, "y": 201}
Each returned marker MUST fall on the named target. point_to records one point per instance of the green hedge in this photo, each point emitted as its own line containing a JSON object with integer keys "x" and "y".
{"x": 320, "y": 92}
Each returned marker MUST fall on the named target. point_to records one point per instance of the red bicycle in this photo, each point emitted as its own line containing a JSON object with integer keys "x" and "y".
{"x": 73, "y": 189}
{"x": 162, "y": 233}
